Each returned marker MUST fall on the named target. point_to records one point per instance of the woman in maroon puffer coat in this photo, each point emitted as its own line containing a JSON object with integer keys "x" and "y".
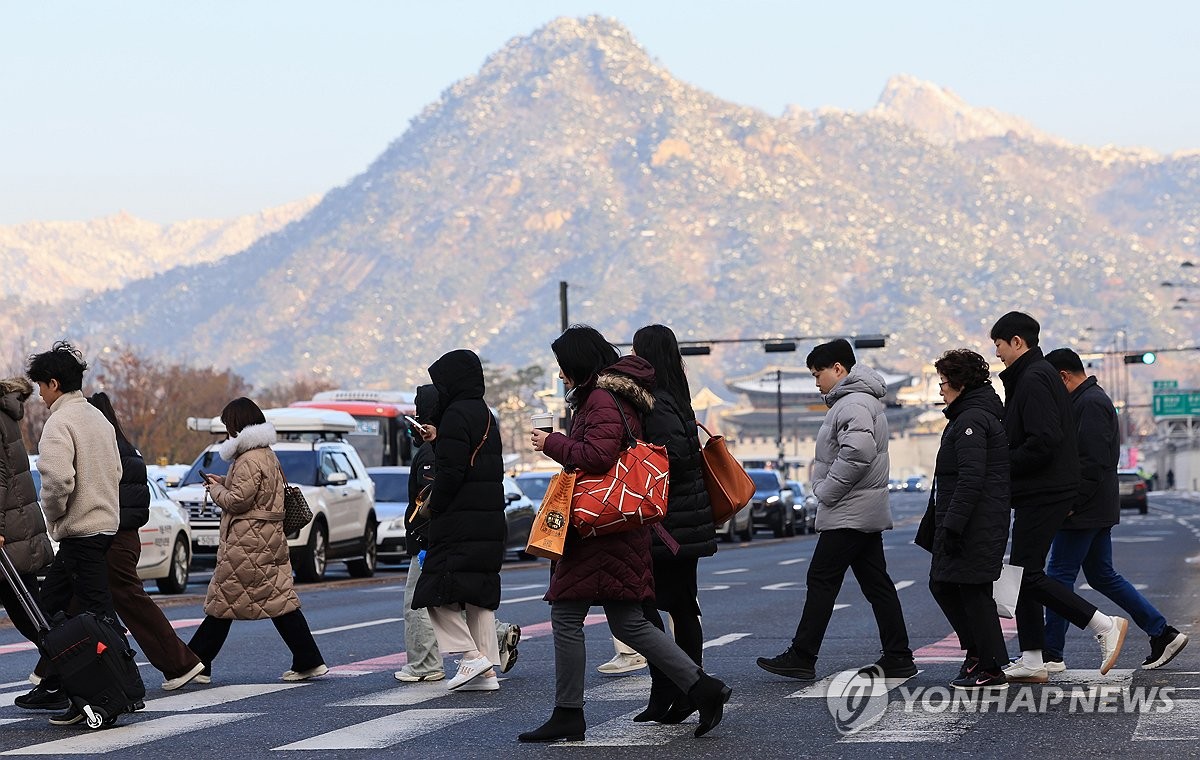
{"x": 615, "y": 570}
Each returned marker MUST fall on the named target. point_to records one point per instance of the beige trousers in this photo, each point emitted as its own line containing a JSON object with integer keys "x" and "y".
{"x": 458, "y": 634}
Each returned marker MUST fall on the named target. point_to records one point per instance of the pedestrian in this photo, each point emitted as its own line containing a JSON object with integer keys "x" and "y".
{"x": 461, "y": 571}
{"x": 1085, "y": 539}
{"x": 850, "y": 480}
{"x": 22, "y": 525}
{"x": 1171, "y": 480}
{"x": 971, "y": 512}
{"x": 81, "y": 475}
{"x": 1044, "y": 464}
{"x": 672, "y": 423}
{"x": 144, "y": 619}
{"x": 423, "y": 660}
{"x": 612, "y": 570}
{"x": 252, "y": 579}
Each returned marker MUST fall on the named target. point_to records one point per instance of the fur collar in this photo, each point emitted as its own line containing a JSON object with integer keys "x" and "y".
{"x": 626, "y": 386}
{"x": 18, "y": 385}
{"x": 253, "y": 437}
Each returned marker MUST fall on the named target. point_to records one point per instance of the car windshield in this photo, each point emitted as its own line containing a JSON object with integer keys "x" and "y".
{"x": 534, "y": 486}
{"x": 390, "y": 486}
{"x": 300, "y": 467}
{"x": 765, "y": 481}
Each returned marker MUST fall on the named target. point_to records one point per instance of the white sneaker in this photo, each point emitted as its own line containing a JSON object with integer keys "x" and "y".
{"x": 171, "y": 684}
{"x": 469, "y": 670}
{"x": 623, "y": 663}
{"x": 1018, "y": 672}
{"x": 1111, "y": 643}
{"x": 304, "y": 675}
{"x": 202, "y": 679}
{"x": 407, "y": 677}
{"x": 486, "y": 682}
{"x": 1055, "y": 666}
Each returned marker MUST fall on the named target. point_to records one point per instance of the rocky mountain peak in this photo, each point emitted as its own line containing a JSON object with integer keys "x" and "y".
{"x": 943, "y": 116}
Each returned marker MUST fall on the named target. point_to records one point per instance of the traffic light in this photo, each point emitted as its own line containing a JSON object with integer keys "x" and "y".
{"x": 1145, "y": 358}
{"x": 695, "y": 350}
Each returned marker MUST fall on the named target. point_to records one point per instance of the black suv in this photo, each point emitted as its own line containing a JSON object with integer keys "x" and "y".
{"x": 771, "y": 506}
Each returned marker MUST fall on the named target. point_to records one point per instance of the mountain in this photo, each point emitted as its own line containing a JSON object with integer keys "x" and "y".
{"x": 573, "y": 155}
{"x": 67, "y": 259}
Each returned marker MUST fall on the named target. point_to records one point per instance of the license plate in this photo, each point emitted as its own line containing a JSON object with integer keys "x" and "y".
{"x": 208, "y": 540}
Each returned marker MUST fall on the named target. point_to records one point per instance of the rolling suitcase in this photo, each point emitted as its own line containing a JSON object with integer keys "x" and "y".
{"x": 90, "y": 655}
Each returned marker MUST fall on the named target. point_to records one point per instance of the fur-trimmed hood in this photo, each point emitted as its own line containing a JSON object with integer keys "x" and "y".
{"x": 633, "y": 378}
{"x": 252, "y": 437}
{"x": 13, "y": 393}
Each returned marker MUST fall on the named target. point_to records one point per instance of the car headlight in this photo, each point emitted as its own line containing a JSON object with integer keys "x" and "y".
{"x": 772, "y": 499}
{"x": 396, "y": 523}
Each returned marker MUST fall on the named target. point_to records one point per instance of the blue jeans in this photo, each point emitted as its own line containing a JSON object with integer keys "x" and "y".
{"x": 1091, "y": 549}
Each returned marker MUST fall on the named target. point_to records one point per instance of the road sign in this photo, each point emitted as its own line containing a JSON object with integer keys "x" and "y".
{"x": 1165, "y": 385}
{"x": 1177, "y": 404}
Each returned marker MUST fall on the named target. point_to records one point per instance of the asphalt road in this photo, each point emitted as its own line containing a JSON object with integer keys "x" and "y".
{"x": 751, "y": 595}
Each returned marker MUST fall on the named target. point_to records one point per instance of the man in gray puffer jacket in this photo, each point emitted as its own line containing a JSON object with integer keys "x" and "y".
{"x": 850, "y": 476}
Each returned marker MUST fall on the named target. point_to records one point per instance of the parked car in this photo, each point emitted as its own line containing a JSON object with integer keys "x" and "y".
{"x": 166, "y": 540}
{"x": 916, "y": 483}
{"x": 804, "y": 508}
{"x": 534, "y": 483}
{"x": 391, "y": 504}
{"x": 895, "y": 484}
{"x": 316, "y": 458}
{"x": 740, "y": 526}
{"x": 519, "y": 513}
{"x": 771, "y": 506}
{"x": 1132, "y": 488}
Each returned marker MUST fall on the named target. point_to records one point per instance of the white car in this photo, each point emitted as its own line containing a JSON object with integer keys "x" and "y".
{"x": 391, "y": 503}
{"x": 315, "y": 457}
{"x": 166, "y": 540}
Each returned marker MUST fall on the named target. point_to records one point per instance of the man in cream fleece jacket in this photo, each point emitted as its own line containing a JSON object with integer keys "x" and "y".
{"x": 81, "y": 476}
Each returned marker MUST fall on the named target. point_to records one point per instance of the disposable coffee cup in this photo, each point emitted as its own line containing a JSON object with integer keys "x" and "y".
{"x": 543, "y": 422}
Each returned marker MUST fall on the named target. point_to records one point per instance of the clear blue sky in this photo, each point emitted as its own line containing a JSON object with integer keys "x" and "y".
{"x": 176, "y": 110}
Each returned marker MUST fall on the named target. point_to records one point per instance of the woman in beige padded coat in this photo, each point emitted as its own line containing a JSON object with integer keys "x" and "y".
{"x": 253, "y": 576}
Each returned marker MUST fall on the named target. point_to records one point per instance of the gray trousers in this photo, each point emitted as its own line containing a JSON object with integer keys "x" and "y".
{"x": 627, "y": 623}
{"x": 420, "y": 642}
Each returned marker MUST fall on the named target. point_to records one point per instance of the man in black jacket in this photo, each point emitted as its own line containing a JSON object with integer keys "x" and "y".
{"x": 1044, "y": 465}
{"x": 1085, "y": 539}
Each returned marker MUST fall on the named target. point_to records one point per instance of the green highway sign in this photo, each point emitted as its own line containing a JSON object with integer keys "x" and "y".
{"x": 1177, "y": 404}
{"x": 1165, "y": 385}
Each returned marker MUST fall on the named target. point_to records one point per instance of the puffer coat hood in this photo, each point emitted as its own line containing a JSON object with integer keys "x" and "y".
{"x": 134, "y": 492}
{"x": 615, "y": 567}
{"x": 850, "y": 462}
{"x": 970, "y": 489}
{"x": 21, "y": 520}
{"x": 1098, "y": 503}
{"x": 458, "y": 376}
{"x": 253, "y": 576}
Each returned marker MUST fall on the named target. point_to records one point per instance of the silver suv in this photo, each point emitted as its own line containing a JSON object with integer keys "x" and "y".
{"x": 315, "y": 457}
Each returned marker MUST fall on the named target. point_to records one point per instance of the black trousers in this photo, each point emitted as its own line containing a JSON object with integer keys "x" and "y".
{"x": 971, "y": 611}
{"x": 80, "y": 570}
{"x": 675, "y": 589}
{"x": 293, "y": 629}
{"x": 837, "y": 551}
{"x": 1033, "y": 532}
{"x": 16, "y": 613}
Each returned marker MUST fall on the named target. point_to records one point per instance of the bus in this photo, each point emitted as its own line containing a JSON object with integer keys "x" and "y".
{"x": 381, "y": 436}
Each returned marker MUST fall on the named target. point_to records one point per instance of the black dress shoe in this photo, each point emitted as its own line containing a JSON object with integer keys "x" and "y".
{"x": 679, "y": 712}
{"x": 790, "y": 664}
{"x": 41, "y": 698}
{"x": 709, "y": 695}
{"x": 663, "y": 695}
{"x": 565, "y": 724}
{"x": 892, "y": 667}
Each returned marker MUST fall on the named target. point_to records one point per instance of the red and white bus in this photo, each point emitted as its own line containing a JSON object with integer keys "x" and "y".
{"x": 381, "y": 437}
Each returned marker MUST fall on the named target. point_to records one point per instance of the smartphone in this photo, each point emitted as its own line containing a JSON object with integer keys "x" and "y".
{"x": 412, "y": 421}
{"x": 203, "y": 475}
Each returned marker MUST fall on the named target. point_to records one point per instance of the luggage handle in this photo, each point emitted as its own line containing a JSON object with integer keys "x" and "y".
{"x": 14, "y": 579}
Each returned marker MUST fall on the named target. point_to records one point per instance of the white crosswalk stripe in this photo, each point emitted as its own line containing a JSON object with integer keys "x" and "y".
{"x": 217, "y": 695}
{"x": 130, "y": 735}
{"x": 384, "y": 732}
{"x": 623, "y": 732}
{"x": 1182, "y": 723}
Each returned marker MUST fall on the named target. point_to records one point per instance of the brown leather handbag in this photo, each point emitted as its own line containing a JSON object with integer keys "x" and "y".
{"x": 729, "y": 487}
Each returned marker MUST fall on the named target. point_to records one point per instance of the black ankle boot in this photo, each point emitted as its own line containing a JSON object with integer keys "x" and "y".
{"x": 663, "y": 694}
{"x": 679, "y": 712}
{"x": 709, "y": 695}
{"x": 565, "y": 724}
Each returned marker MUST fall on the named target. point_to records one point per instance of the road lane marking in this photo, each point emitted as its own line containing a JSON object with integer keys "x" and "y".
{"x": 402, "y": 696}
{"x": 784, "y": 586}
{"x": 539, "y": 597}
{"x": 717, "y": 587}
{"x": 131, "y": 735}
{"x": 837, "y": 607}
{"x": 631, "y": 688}
{"x": 721, "y": 641}
{"x": 819, "y": 690}
{"x": 794, "y": 561}
{"x": 920, "y": 725}
{"x": 901, "y": 585}
{"x": 1138, "y": 586}
{"x": 525, "y": 587}
{"x": 219, "y": 695}
{"x": 1182, "y": 723}
{"x": 389, "y": 730}
{"x": 367, "y": 624}
{"x": 1135, "y": 539}
{"x": 623, "y": 732}
{"x": 731, "y": 572}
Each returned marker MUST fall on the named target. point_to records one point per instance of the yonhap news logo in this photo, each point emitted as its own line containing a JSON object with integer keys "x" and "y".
{"x": 857, "y": 699}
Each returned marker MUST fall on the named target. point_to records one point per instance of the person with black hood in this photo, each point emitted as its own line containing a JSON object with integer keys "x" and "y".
{"x": 672, "y": 423}
{"x": 970, "y": 517}
{"x": 609, "y": 396}
{"x": 424, "y": 661}
{"x": 466, "y": 522}
{"x": 1085, "y": 539}
{"x": 22, "y": 525}
{"x": 1044, "y": 465}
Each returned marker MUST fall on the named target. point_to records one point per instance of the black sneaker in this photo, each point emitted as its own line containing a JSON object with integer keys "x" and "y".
{"x": 893, "y": 667}
{"x": 1163, "y": 648}
{"x": 967, "y": 667}
{"x": 72, "y": 716}
{"x": 41, "y": 698}
{"x": 982, "y": 679}
{"x": 789, "y": 664}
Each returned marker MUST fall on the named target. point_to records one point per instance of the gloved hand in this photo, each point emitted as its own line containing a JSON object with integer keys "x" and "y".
{"x": 952, "y": 542}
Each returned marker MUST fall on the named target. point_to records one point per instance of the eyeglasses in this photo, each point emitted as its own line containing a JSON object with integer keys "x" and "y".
{"x": 943, "y": 384}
